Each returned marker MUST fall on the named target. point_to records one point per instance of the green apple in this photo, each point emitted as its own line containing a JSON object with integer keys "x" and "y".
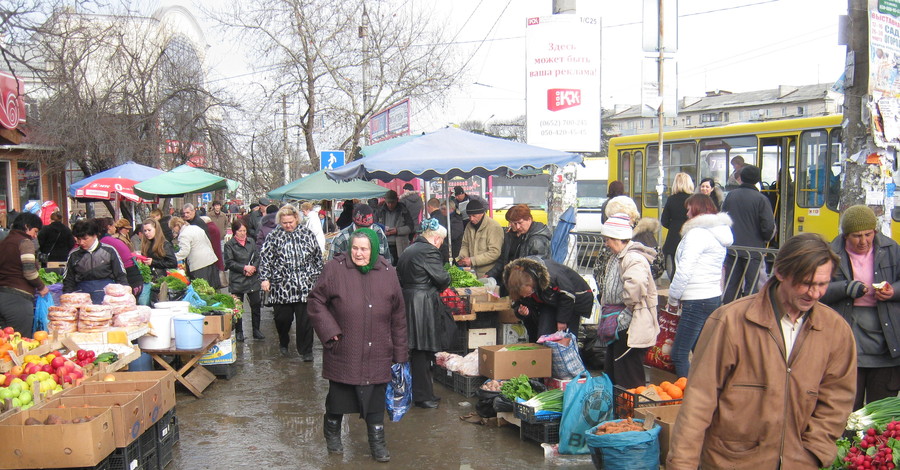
{"x": 16, "y": 387}
{"x": 5, "y": 393}
{"x": 25, "y": 397}
{"x": 25, "y": 407}
{"x": 42, "y": 376}
{"x": 16, "y": 402}
{"x": 31, "y": 379}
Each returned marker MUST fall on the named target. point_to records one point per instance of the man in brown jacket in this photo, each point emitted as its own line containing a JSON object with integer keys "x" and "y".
{"x": 773, "y": 376}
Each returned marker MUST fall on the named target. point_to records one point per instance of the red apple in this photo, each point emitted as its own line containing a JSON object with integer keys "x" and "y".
{"x": 8, "y": 381}
{"x": 57, "y": 362}
{"x": 68, "y": 366}
{"x": 31, "y": 368}
{"x": 9, "y": 330}
{"x": 47, "y": 368}
{"x": 77, "y": 373}
{"x": 67, "y": 378}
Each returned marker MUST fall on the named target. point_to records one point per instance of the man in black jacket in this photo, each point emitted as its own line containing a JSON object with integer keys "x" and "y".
{"x": 753, "y": 225}
{"x": 56, "y": 239}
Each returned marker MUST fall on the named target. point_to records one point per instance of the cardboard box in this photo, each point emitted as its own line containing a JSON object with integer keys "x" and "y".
{"x": 57, "y": 446}
{"x": 497, "y": 363}
{"x": 222, "y": 352}
{"x": 665, "y": 416}
{"x": 507, "y": 315}
{"x": 513, "y": 334}
{"x": 165, "y": 378}
{"x": 218, "y": 325}
{"x": 127, "y": 412}
{"x": 151, "y": 395}
{"x": 482, "y": 337}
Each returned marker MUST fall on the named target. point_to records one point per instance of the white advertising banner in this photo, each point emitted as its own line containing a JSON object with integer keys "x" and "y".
{"x": 563, "y": 82}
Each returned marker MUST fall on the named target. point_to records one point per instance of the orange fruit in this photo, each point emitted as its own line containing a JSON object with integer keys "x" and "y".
{"x": 664, "y": 396}
{"x": 665, "y": 384}
{"x": 681, "y": 383}
{"x": 675, "y": 392}
{"x": 640, "y": 390}
{"x": 41, "y": 335}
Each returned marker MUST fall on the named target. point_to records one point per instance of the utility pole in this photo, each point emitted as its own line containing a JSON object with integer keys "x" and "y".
{"x": 856, "y": 132}
{"x": 563, "y": 6}
{"x": 660, "y": 180}
{"x": 285, "y": 159}
{"x": 364, "y": 35}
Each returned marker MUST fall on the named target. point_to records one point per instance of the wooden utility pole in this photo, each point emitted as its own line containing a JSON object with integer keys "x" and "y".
{"x": 856, "y": 132}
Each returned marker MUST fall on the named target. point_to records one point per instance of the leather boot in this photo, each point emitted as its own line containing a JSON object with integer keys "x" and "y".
{"x": 376, "y": 443}
{"x": 239, "y": 331}
{"x": 255, "y": 319}
{"x": 333, "y": 433}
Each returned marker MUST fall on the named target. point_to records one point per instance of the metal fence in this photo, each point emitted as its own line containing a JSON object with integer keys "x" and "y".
{"x": 745, "y": 269}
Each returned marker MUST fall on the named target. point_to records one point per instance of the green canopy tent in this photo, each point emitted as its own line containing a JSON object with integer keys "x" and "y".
{"x": 317, "y": 186}
{"x": 181, "y": 180}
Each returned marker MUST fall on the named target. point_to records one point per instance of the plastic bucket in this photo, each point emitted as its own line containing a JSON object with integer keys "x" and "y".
{"x": 161, "y": 321}
{"x": 188, "y": 331}
{"x": 177, "y": 307}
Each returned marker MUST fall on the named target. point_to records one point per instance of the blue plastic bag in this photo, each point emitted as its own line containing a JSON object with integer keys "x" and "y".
{"x": 633, "y": 450}
{"x": 42, "y": 306}
{"x": 399, "y": 391}
{"x": 585, "y": 405}
{"x": 144, "y": 299}
{"x": 191, "y": 296}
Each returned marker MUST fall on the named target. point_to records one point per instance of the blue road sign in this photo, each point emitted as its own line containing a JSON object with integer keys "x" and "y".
{"x": 331, "y": 159}
{"x": 206, "y": 197}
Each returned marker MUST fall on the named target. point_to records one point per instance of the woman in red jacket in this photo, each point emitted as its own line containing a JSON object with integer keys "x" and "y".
{"x": 357, "y": 310}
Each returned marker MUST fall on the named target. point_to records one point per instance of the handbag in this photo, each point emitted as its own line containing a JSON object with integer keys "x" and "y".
{"x": 585, "y": 405}
{"x": 593, "y": 354}
{"x": 566, "y": 362}
{"x": 659, "y": 355}
{"x": 608, "y": 327}
{"x": 398, "y": 395}
{"x": 446, "y": 326}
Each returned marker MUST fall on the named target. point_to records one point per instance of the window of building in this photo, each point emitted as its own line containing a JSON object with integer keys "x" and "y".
{"x": 725, "y": 117}
{"x": 677, "y": 158}
{"x": 28, "y": 175}
{"x": 784, "y": 111}
{"x": 5, "y": 193}
{"x": 812, "y": 169}
{"x": 801, "y": 111}
{"x": 687, "y": 121}
{"x": 708, "y": 117}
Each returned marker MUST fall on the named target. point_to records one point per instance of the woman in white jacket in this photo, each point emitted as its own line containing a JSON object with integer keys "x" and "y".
{"x": 311, "y": 221}
{"x": 697, "y": 285}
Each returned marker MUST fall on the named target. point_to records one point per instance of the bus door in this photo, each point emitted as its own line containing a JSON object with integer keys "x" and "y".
{"x": 631, "y": 173}
{"x": 777, "y": 160}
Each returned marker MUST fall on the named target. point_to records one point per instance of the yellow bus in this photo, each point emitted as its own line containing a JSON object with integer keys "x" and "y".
{"x": 803, "y": 152}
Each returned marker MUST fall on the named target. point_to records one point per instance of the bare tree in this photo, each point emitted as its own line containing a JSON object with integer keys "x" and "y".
{"x": 342, "y": 62}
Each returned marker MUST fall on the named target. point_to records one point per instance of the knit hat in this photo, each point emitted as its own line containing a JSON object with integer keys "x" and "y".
{"x": 857, "y": 219}
{"x": 457, "y": 190}
{"x": 475, "y": 207}
{"x": 363, "y": 216}
{"x": 617, "y": 226}
{"x": 749, "y": 174}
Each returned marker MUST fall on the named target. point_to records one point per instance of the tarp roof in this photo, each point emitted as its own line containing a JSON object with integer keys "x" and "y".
{"x": 183, "y": 179}
{"x": 317, "y": 186}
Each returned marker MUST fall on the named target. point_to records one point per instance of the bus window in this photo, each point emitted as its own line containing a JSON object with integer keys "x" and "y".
{"x": 833, "y": 183}
{"x": 678, "y": 157}
{"x": 625, "y": 170}
{"x": 814, "y": 168}
{"x": 716, "y": 155}
{"x": 637, "y": 192}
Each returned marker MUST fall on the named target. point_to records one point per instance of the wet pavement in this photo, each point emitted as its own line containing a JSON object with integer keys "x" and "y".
{"x": 269, "y": 415}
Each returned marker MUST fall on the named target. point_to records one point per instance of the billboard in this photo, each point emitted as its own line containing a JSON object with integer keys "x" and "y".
{"x": 562, "y": 77}
{"x": 12, "y": 101}
{"x": 389, "y": 123}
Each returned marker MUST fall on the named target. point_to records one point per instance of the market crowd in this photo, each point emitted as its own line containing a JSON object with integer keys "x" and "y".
{"x": 774, "y": 363}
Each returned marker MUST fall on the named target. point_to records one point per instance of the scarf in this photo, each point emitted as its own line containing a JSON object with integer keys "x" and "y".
{"x": 373, "y": 254}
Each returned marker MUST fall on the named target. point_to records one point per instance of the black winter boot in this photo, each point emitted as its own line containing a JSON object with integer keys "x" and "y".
{"x": 376, "y": 443}
{"x": 239, "y": 330}
{"x": 333, "y": 433}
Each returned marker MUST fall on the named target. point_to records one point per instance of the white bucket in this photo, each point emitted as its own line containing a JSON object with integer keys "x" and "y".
{"x": 177, "y": 307}
{"x": 161, "y": 322}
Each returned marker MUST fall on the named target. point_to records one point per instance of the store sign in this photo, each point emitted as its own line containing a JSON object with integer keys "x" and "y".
{"x": 390, "y": 123}
{"x": 12, "y": 101}
{"x": 563, "y": 82}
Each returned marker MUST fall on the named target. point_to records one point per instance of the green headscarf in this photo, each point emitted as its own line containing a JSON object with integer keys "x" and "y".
{"x": 373, "y": 255}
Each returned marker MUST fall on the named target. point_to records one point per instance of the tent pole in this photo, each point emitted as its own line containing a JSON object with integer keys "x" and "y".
{"x": 449, "y": 238}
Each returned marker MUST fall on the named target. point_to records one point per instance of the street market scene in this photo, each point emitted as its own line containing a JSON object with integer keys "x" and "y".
{"x": 450, "y": 235}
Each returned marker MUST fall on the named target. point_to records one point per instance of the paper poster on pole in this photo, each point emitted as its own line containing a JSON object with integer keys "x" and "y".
{"x": 884, "y": 71}
{"x": 563, "y": 82}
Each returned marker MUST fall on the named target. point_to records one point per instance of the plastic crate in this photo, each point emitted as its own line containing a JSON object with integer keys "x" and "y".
{"x": 528, "y": 415}
{"x": 222, "y": 371}
{"x": 540, "y": 432}
{"x": 443, "y": 377}
{"x": 458, "y": 304}
{"x": 127, "y": 458}
{"x": 147, "y": 441}
{"x": 466, "y": 385}
{"x": 461, "y": 340}
{"x": 165, "y": 427}
{"x": 625, "y": 402}
{"x": 164, "y": 451}
{"x": 104, "y": 465}
{"x": 485, "y": 320}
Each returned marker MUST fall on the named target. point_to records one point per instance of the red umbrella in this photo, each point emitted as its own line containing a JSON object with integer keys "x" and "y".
{"x": 108, "y": 188}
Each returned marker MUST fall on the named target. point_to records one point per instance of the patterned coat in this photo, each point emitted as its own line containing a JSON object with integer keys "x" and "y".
{"x": 291, "y": 262}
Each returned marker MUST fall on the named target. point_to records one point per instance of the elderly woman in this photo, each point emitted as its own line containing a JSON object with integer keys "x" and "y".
{"x": 629, "y": 289}
{"x": 291, "y": 264}
{"x": 423, "y": 277}
{"x": 93, "y": 265}
{"x": 108, "y": 236}
{"x": 697, "y": 288}
{"x": 358, "y": 313}
{"x": 242, "y": 262}
{"x": 158, "y": 252}
{"x": 674, "y": 215}
{"x": 547, "y": 296}
{"x": 194, "y": 247}
{"x": 19, "y": 278}
{"x": 865, "y": 290}
{"x": 643, "y": 230}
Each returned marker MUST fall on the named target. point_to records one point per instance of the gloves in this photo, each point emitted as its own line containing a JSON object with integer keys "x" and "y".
{"x": 856, "y": 289}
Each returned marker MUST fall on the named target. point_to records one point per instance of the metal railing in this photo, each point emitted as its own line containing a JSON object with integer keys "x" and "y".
{"x": 583, "y": 251}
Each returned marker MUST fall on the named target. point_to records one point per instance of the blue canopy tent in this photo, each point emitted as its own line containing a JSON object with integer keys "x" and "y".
{"x": 448, "y": 153}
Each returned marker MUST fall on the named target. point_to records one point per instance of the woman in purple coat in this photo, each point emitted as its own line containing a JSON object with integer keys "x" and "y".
{"x": 357, "y": 310}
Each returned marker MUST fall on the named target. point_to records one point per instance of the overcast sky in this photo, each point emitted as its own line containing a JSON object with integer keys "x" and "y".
{"x": 734, "y": 45}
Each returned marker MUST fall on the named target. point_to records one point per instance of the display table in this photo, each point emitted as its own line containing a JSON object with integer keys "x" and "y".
{"x": 195, "y": 380}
